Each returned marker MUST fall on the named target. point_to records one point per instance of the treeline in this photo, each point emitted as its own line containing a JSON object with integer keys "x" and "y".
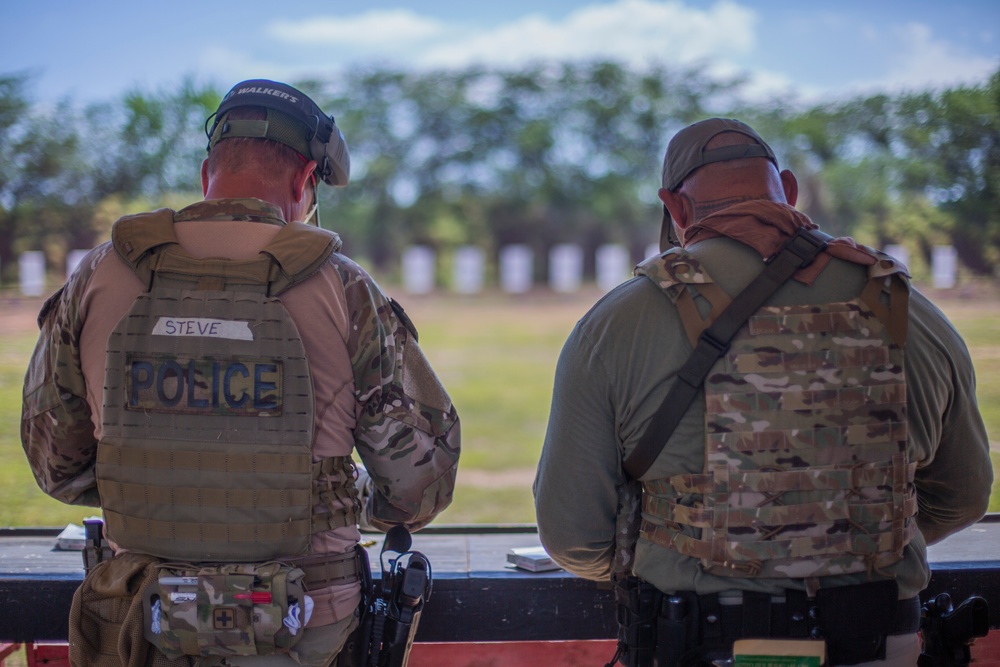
{"x": 549, "y": 154}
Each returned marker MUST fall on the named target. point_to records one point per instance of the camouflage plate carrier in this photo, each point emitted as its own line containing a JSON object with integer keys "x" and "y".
{"x": 806, "y": 471}
{"x": 208, "y": 405}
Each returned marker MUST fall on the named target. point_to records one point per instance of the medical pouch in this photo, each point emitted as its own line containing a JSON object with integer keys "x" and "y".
{"x": 219, "y": 610}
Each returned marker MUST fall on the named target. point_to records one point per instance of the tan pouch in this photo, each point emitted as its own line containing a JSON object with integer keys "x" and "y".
{"x": 106, "y": 619}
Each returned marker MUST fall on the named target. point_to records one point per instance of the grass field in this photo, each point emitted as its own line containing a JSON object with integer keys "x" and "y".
{"x": 496, "y": 354}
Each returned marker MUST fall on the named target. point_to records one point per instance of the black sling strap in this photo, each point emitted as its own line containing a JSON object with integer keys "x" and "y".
{"x": 797, "y": 252}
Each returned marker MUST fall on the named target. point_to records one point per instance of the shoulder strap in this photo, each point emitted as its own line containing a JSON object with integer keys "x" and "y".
{"x": 797, "y": 252}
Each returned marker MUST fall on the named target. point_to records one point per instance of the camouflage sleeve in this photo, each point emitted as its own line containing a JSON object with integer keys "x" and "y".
{"x": 56, "y": 428}
{"x": 407, "y": 434}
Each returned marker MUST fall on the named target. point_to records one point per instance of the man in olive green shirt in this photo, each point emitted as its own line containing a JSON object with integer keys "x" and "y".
{"x": 732, "y": 210}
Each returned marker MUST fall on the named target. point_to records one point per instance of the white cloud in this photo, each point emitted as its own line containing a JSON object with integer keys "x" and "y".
{"x": 827, "y": 53}
{"x": 923, "y": 61}
{"x": 634, "y": 31}
{"x": 374, "y": 29}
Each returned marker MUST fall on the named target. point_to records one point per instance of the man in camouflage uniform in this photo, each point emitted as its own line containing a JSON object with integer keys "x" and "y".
{"x": 835, "y": 440}
{"x": 364, "y": 384}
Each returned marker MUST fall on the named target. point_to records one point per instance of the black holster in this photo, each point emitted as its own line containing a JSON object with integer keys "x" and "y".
{"x": 654, "y": 630}
{"x": 636, "y": 606}
{"x": 949, "y": 632}
{"x": 389, "y": 613}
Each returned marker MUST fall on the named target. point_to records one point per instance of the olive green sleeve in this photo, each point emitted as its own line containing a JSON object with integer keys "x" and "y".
{"x": 954, "y": 474}
{"x": 578, "y": 478}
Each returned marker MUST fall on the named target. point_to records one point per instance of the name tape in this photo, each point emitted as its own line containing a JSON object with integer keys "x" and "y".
{"x": 204, "y": 327}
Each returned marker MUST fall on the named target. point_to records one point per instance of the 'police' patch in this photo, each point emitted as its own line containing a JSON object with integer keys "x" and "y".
{"x": 237, "y": 386}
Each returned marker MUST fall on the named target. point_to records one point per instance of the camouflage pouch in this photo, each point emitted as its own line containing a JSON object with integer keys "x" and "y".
{"x": 238, "y": 609}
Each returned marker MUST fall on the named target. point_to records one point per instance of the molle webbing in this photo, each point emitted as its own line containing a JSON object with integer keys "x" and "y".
{"x": 806, "y": 469}
{"x": 713, "y": 337}
{"x": 332, "y": 489}
{"x": 208, "y": 407}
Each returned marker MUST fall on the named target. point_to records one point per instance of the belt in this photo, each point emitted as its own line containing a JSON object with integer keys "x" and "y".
{"x": 322, "y": 570}
{"x": 852, "y": 620}
{"x": 783, "y": 617}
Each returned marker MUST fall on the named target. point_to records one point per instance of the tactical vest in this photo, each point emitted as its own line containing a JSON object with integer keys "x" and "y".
{"x": 208, "y": 405}
{"x": 806, "y": 471}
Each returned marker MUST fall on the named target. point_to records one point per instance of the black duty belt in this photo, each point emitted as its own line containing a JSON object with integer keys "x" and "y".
{"x": 770, "y": 618}
{"x": 854, "y": 621}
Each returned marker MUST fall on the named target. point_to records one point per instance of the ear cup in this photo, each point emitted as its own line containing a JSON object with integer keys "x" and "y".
{"x": 335, "y": 163}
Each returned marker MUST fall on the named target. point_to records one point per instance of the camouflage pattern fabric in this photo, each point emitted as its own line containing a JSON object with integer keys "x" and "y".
{"x": 56, "y": 428}
{"x": 806, "y": 472}
{"x": 407, "y": 436}
{"x": 408, "y": 430}
{"x": 627, "y": 525}
{"x": 224, "y": 610}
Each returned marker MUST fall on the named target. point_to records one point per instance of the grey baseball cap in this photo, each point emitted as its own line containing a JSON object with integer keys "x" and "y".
{"x": 686, "y": 151}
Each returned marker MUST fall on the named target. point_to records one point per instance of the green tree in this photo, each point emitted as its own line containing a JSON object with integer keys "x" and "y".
{"x": 953, "y": 140}
{"x": 547, "y": 153}
{"x": 148, "y": 143}
{"x": 41, "y": 203}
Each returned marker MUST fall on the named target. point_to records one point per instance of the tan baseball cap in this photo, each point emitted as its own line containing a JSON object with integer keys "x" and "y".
{"x": 686, "y": 151}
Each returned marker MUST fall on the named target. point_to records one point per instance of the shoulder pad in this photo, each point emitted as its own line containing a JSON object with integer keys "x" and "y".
{"x": 886, "y": 265}
{"x": 300, "y": 250}
{"x": 135, "y": 235}
{"x": 674, "y": 267}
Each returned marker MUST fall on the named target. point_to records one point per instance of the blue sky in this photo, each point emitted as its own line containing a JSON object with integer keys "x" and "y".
{"x": 95, "y": 50}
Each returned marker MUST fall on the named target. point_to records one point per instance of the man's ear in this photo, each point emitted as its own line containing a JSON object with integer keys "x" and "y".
{"x": 675, "y": 205}
{"x": 791, "y": 187}
{"x": 302, "y": 176}
{"x": 204, "y": 177}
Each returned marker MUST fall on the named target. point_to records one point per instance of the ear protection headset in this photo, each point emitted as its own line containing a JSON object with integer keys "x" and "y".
{"x": 292, "y": 119}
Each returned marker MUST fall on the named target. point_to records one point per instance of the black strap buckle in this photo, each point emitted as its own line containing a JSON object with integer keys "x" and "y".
{"x": 805, "y": 244}
{"x": 708, "y": 350}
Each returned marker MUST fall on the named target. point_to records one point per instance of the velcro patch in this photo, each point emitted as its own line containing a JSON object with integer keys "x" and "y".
{"x": 224, "y": 618}
{"x": 235, "y": 386}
